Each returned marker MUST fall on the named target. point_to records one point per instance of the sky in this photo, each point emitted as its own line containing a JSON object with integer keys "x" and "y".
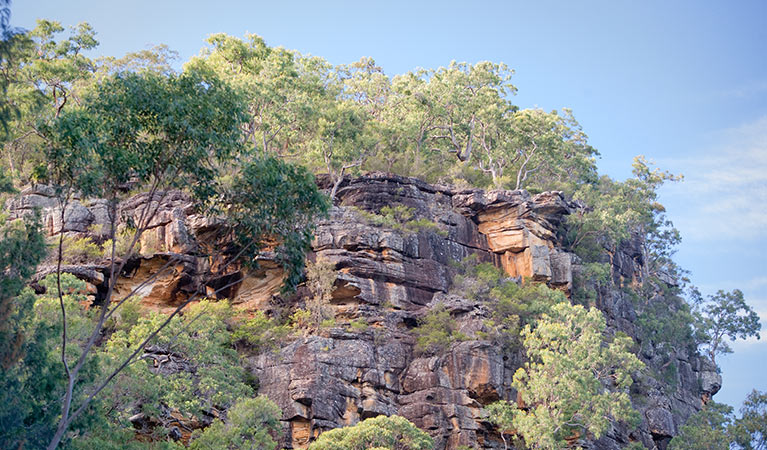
{"x": 683, "y": 83}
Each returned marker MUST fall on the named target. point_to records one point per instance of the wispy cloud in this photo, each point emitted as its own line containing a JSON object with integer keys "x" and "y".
{"x": 724, "y": 194}
{"x": 745, "y": 91}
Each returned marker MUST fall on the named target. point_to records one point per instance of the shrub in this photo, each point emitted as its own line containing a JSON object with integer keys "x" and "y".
{"x": 511, "y": 305}
{"x": 80, "y": 249}
{"x": 587, "y": 283}
{"x": 358, "y": 325}
{"x": 252, "y": 423}
{"x": 394, "y": 433}
{"x": 400, "y": 218}
{"x": 124, "y": 237}
{"x": 437, "y": 331}
{"x": 260, "y": 332}
{"x": 190, "y": 366}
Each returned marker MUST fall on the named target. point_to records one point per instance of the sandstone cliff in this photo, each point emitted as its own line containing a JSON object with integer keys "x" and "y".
{"x": 387, "y": 279}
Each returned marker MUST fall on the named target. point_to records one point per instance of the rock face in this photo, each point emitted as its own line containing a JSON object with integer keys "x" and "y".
{"x": 386, "y": 279}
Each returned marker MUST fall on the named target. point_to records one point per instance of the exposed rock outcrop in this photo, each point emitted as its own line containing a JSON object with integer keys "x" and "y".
{"x": 387, "y": 279}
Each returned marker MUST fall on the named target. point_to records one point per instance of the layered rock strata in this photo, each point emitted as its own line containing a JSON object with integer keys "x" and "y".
{"x": 386, "y": 280}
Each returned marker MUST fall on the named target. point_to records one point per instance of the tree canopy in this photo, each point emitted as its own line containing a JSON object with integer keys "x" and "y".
{"x": 574, "y": 382}
{"x": 723, "y": 316}
{"x": 393, "y": 433}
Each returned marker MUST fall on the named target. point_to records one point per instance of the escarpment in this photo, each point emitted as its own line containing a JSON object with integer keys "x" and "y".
{"x": 388, "y": 275}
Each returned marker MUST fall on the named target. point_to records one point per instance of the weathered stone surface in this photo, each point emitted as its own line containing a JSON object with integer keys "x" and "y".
{"x": 710, "y": 381}
{"x": 561, "y": 268}
{"x": 387, "y": 279}
{"x": 77, "y": 218}
{"x": 660, "y": 422}
{"x": 90, "y": 274}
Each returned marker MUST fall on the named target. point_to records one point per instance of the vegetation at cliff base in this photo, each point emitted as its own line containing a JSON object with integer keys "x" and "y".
{"x": 394, "y": 433}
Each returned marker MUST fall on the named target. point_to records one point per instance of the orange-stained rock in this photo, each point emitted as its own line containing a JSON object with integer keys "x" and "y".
{"x": 155, "y": 282}
{"x": 258, "y": 287}
{"x": 387, "y": 280}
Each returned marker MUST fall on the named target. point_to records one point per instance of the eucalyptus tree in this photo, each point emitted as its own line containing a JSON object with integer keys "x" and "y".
{"x": 708, "y": 428}
{"x": 22, "y": 247}
{"x": 340, "y": 142}
{"x": 613, "y": 211}
{"x": 575, "y": 380}
{"x": 164, "y": 132}
{"x": 463, "y": 96}
{"x": 281, "y": 86}
{"x": 750, "y": 430}
{"x": 364, "y": 83}
{"x": 41, "y": 72}
{"x": 716, "y": 427}
{"x": 9, "y": 38}
{"x": 56, "y": 65}
{"x": 548, "y": 149}
{"x": 722, "y": 317}
{"x": 408, "y": 123}
{"x": 158, "y": 59}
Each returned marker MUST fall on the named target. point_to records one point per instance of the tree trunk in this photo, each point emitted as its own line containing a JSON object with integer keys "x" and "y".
{"x": 335, "y": 187}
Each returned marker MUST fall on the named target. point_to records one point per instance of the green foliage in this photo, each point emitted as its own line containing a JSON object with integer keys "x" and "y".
{"x": 123, "y": 239}
{"x": 43, "y": 75}
{"x": 269, "y": 199}
{"x": 22, "y": 247}
{"x": 157, "y": 59}
{"x": 501, "y": 414}
{"x": 283, "y": 88}
{"x": 716, "y": 427}
{"x": 95, "y": 127}
{"x": 358, "y": 325}
{"x": 164, "y": 131}
{"x": 511, "y": 305}
{"x": 252, "y": 423}
{"x": 587, "y": 283}
{"x": 145, "y": 128}
{"x": 6, "y": 183}
{"x": 77, "y": 249}
{"x": 541, "y": 150}
{"x": 452, "y": 124}
{"x": 514, "y": 306}
{"x": 328, "y": 323}
{"x": 260, "y": 332}
{"x": 705, "y": 429}
{"x": 301, "y": 320}
{"x": 437, "y": 331}
{"x": 614, "y": 210}
{"x": 664, "y": 318}
{"x": 724, "y": 315}
{"x": 750, "y": 430}
{"x": 105, "y": 436}
{"x": 189, "y": 367}
{"x": 35, "y": 380}
{"x": 563, "y": 383}
{"x": 392, "y": 433}
{"x": 400, "y": 218}
{"x": 320, "y": 279}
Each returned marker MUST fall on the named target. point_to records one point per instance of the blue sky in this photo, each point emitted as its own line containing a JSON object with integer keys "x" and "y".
{"x": 683, "y": 83}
